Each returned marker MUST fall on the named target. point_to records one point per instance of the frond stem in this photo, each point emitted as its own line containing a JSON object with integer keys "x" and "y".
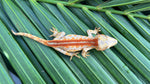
{"x": 94, "y": 8}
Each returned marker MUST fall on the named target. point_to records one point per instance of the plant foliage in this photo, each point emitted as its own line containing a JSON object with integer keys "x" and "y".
{"x": 32, "y": 62}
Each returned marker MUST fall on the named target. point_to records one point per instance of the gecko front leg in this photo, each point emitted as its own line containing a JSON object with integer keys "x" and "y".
{"x": 95, "y": 31}
{"x": 56, "y": 34}
{"x": 67, "y": 53}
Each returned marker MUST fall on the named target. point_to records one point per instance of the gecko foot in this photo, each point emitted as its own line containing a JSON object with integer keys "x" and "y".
{"x": 97, "y": 29}
{"x": 85, "y": 54}
{"x": 55, "y": 32}
{"x": 74, "y": 54}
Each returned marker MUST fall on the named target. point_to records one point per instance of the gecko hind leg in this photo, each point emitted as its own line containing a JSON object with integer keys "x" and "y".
{"x": 67, "y": 53}
{"x": 95, "y": 31}
{"x": 74, "y": 54}
{"x": 85, "y": 52}
{"x": 56, "y": 34}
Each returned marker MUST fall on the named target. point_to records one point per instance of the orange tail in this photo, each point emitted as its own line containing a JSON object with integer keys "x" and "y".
{"x": 40, "y": 40}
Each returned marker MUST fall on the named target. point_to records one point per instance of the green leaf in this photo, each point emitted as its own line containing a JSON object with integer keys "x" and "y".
{"x": 17, "y": 58}
{"x": 49, "y": 58}
{"x": 130, "y": 33}
{"x": 105, "y": 5}
{"x": 125, "y": 63}
{"x": 142, "y": 27}
{"x": 140, "y": 7}
{"x": 25, "y": 48}
{"x": 74, "y": 1}
{"x": 4, "y": 74}
{"x": 124, "y": 46}
{"x": 77, "y": 24}
{"x": 121, "y": 2}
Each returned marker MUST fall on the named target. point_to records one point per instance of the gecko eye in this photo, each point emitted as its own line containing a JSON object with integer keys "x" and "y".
{"x": 105, "y": 42}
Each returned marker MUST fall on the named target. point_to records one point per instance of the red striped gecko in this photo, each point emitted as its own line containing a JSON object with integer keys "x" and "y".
{"x": 70, "y": 44}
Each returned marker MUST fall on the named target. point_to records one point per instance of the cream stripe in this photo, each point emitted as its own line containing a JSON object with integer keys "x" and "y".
{"x": 51, "y": 43}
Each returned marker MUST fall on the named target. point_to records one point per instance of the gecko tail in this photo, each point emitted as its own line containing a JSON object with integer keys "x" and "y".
{"x": 40, "y": 40}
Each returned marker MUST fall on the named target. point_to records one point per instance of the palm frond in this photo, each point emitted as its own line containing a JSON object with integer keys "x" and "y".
{"x": 32, "y": 62}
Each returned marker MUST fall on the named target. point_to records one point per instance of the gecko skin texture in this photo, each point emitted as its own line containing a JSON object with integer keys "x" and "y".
{"x": 71, "y": 44}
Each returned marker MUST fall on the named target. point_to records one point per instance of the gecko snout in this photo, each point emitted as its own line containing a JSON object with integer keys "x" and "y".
{"x": 105, "y": 42}
{"x": 111, "y": 41}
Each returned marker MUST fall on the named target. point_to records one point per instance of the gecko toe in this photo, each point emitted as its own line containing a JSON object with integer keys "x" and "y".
{"x": 74, "y": 54}
{"x": 86, "y": 54}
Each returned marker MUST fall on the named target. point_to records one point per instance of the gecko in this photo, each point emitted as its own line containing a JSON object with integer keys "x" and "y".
{"x": 71, "y": 44}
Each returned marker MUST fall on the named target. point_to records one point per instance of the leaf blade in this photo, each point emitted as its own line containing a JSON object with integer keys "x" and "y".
{"x": 18, "y": 59}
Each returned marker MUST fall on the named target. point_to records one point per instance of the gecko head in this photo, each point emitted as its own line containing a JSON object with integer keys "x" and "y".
{"x": 105, "y": 42}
